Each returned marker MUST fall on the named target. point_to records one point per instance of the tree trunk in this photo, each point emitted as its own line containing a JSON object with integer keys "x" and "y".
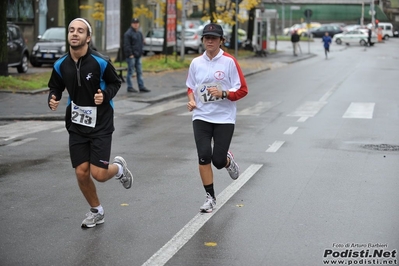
{"x": 126, "y": 18}
{"x": 71, "y": 12}
{"x": 3, "y": 39}
{"x": 212, "y": 10}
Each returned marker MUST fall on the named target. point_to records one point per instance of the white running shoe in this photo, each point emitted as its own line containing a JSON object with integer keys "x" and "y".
{"x": 233, "y": 169}
{"x": 93, "y": 218}
{"x": 126, "y": 178}
{"x": 209, "y": 204}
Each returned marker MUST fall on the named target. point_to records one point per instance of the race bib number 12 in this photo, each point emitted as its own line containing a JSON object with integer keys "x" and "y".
{"x": 204, "y": 95}
{"x": 84, "y": 115}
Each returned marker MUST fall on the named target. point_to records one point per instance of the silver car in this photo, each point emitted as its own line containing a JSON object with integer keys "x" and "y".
{"x": 192, "y": 41}
{"x": 154, "y": 41}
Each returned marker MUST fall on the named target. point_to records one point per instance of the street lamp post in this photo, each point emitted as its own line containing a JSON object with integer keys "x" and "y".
{"x": 236, "y": 35}
{"x": 183, "y": 30}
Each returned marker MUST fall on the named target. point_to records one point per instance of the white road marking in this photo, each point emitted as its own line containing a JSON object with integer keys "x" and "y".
{"x": 258, "y": 109}
{"x": 164, "y": 254}
{"x": 360, "y": 110}
{"x": 59, "y": 130}
{"x": 308, "y": 109}
{"x": 275, "y": 146}
{"x": 18, "y": 143}
{"x": 158, "y": 108}
{"x": 21, "y": 128}
{"x": 290, "y": 130}
{"x": 302, "y": 119}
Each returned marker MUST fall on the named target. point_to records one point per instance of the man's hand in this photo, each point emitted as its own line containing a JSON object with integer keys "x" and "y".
{"x": 53, "y": 103}
{"x": 98, "y": 97}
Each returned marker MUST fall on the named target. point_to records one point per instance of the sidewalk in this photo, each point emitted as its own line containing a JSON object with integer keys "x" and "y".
{"x": 164, "y": 86}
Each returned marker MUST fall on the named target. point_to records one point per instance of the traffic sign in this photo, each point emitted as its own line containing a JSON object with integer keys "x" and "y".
{"x": 308, "y": 13}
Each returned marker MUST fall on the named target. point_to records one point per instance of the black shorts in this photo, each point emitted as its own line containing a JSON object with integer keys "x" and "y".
{"x": 95, "y": 150}
{"x": 221, "y": 134}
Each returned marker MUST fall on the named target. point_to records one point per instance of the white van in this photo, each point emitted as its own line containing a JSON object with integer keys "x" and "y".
{"x": 387, "y": 29}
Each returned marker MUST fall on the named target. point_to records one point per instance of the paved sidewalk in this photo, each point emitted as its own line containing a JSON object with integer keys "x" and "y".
{"x": 164, "y": 86}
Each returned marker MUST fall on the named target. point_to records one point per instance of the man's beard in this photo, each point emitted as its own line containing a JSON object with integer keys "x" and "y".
{"x": 78, "y": 46}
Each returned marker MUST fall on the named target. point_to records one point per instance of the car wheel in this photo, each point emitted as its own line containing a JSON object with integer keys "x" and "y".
{"x": 363, "y": 43}
{"x": 386, "y": 37}
{"x": 338, "y": 41}
{"x": 23, "y": 67}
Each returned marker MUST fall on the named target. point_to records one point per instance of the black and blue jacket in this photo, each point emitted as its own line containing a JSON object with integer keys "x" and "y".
{"x": 82, "y": 80}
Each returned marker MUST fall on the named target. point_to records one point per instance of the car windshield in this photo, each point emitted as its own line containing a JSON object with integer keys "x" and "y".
{"x": 156, "y": 34}
{"x": 54, "y": 34}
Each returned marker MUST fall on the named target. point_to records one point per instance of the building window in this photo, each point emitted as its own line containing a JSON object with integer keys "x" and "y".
{"x": 20, "y": 11}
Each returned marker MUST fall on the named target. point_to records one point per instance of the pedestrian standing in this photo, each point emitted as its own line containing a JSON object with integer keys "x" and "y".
{"x": 295, "y": 41}
{"x": 369, "y": 33}
{"x": 327, "y": 42}
{"x": 215, "y": 82}
{"x": 133, "y": 43}
{"x": 92, "y": 83}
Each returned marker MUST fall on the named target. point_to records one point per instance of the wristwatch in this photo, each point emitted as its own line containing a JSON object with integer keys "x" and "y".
{"x": 224, "y": 94}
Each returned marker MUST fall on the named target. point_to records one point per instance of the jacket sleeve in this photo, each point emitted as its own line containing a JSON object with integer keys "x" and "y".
{"x": 113, "y": 82}
{"x": 56, "y": 85}
{"x": 127, "y": 46}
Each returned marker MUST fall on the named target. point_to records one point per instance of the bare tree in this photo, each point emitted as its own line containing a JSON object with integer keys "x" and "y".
{"x": 3, "y": 39}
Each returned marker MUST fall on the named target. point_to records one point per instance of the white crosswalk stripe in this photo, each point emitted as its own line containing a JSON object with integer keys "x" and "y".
{"x": 355, "y": 110}
{"x": 360, "y": 110}
{"x": 21, "y": 128}
{"x": 258, "y": 109}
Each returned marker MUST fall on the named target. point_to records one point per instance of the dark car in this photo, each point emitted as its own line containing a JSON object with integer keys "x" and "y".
{"x": 50, "y": 47}
{"x": 18, "y": 54}
{"x": 332, "y": 29}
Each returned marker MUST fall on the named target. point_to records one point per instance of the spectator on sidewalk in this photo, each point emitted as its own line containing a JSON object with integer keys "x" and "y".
{"x": 295, "y": 41}
{"x": 215, "y": 82}
{"x": 133, "y": 43}
{"x": 92, "y": 83}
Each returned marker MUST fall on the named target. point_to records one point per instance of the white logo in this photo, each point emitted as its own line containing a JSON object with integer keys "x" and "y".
{"x": 89, "y": 76}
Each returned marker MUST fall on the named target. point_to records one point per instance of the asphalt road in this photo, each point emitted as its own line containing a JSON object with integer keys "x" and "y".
{"x": 317, "y": 146}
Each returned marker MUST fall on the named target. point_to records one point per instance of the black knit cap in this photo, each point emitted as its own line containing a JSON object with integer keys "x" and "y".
{"x": 213, "y": 29}
{"x": 135, "y": 20}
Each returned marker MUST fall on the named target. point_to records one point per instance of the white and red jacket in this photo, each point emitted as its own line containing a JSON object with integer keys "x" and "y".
{"x": 224, "y": 72}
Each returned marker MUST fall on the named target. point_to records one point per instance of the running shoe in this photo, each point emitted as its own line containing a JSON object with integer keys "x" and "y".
{"x": 126, "y": 178}
{"x": 209, "y": 204}
{"x": 233, "y": 168}
{"x": 93, "y": 218}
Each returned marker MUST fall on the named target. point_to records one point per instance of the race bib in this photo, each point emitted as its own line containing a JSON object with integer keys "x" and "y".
{"x": 204, "y": 95}
{"x": 84, "y": 115}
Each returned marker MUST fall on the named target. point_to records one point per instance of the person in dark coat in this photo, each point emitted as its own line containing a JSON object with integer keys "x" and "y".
{"x": 133, "y": 42}
{"x": 295, "y": 41}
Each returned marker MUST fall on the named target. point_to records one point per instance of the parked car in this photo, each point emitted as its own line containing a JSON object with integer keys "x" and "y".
{"x": 354, "y": 37}
{"x": 192, "y": 41}
{"x": 396, "y": 33}
{"x": 18, "y": 54}
{"x": 305, "y": 28}
{"x": 290, "y": 30}
{"x": 49, "y": 47}
{"x": 154, "y": 41}
{"x": 332, "y": 29}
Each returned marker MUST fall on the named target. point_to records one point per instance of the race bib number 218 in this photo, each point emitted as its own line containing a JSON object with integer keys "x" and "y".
{"x": 84, "y": 115}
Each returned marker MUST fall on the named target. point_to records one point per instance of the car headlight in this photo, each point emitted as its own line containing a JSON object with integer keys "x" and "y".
{"x": 35, "y": 48}
{"x": 63, "y": 48}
